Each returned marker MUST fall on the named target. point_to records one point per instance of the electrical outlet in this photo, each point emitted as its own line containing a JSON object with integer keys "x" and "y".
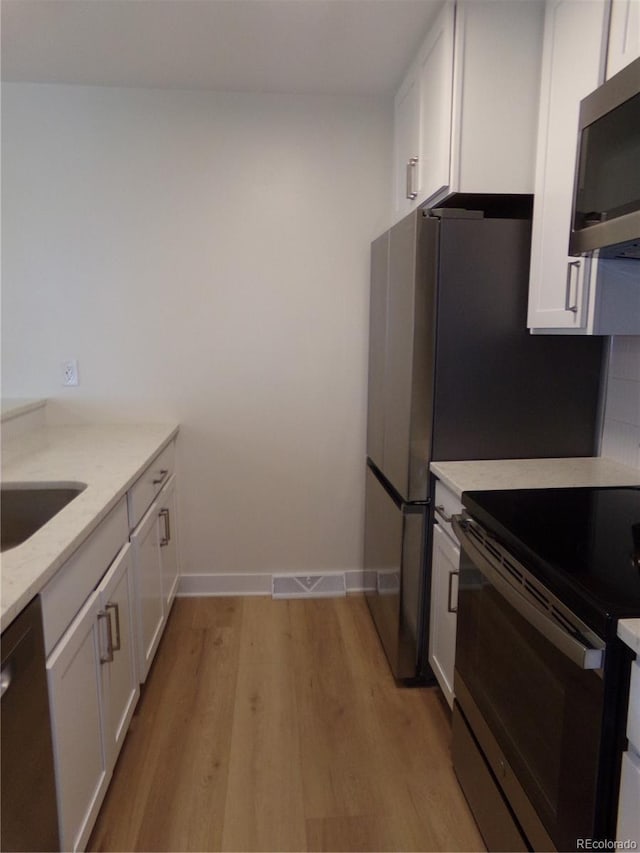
{"x": 70, "y": 372}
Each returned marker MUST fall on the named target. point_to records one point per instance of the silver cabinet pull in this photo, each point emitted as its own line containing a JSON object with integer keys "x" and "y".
{"x": 450, "y": 608}
{"x": 6, "y": 677}
{"x": 410, "y": 172}
{"x": 440, "y": 510}
{"x": 568, "y": 304}
{"x": 107, "y": 657}
{"x": 161, "y": 478}
{"x": 164, "y": 513}
{"x": 116, "y": 609}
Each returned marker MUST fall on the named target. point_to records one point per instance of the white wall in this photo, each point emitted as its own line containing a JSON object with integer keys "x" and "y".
{"x": 621, "y": 435}
{"x": 205, "y": 258}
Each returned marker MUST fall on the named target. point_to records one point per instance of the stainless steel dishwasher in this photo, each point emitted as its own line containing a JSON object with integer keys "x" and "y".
{"x": 28, "y": 799}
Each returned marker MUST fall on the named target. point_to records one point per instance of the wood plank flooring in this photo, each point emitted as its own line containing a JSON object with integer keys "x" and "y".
{"x": 276, "y": 725}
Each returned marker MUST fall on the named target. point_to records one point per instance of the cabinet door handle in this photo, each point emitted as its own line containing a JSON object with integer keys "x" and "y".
{"x": 6, "y": 678}
{"x": 568, "y": 305}
{"x": 440, "y": 510}
{"x": 410, "y": 172}
{"x": 161, "y": 478}
{"x": 107, "y": 657}
{"x": 451, "y": 609}
{"x": 116, "y": 609}
{"x": 164, "y": 513}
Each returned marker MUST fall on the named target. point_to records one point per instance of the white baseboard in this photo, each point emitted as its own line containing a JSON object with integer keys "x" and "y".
{"x": 360, "y": 580}
{"x": 356, "y": 580}
{"x": 232, "y": 584}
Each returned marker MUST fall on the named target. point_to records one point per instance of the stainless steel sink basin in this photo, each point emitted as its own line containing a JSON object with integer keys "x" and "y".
{"x": 26, "y": 507}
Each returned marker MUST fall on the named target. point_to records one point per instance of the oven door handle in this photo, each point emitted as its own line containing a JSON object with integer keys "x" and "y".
{"x": 583, "y": 656}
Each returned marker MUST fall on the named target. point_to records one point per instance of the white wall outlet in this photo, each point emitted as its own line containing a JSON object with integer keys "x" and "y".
{"x": 70, "y": 372}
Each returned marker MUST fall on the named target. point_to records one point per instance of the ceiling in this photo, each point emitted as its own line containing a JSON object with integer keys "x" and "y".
{"x": 338, "y": 47}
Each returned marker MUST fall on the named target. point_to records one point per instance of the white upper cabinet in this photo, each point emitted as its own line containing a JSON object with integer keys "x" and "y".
{"x": 435, "y": 80}
{"x": 466, "y": 112}
{"x": 406, "y": 146}
{"x": 624, "y": 35}
{"x": 572, "y": 66}
{"x": 576, "y": 295}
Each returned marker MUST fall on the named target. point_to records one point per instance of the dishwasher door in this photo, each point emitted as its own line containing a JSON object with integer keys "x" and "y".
{"x": 29, "y": 810}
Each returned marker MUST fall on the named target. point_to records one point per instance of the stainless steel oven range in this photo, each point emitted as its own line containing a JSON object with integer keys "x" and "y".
{"x": 541, "y": 679}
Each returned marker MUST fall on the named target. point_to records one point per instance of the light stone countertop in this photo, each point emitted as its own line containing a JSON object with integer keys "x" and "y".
{"x": 108, "y": 458}
{"x": 629, "y": 631}
{"x": 534, "y": 474}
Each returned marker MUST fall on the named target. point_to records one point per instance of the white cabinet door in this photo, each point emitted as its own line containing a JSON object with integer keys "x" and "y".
{"x": 119, "y": 677}
{"x": 475, "y": 75}
{"x": 406, "y": 146}
{"x": 169, "y": 542}
{"x": 435, "y": 74}
{"x": 445, "y": 567}
{"x": 150, "y": 611}
{"x": 629, "y": 800}
{"x": 572, "y": 66}
{"x": 624, "y": 35}
{"x": 82, "y": 776}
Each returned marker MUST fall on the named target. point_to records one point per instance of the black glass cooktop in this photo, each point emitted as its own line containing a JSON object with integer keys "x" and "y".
{"x": 584, "y": 544}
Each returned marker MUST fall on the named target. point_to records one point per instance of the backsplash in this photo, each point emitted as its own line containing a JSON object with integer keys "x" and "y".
{"x": 621, "y": 435}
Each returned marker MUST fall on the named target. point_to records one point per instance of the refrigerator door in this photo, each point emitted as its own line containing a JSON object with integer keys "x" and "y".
{"x": 393, "y": 549}
{"x": 401, "y": 353}
{"x": 377, "y": 348}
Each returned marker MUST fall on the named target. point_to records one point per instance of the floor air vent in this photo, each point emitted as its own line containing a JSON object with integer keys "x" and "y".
{"x": 308, "y": 586}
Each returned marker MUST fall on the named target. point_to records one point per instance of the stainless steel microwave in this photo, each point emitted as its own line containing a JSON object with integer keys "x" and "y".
{"x": 606, "y": 199}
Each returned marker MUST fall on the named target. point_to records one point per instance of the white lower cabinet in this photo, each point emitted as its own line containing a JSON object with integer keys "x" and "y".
{"x": 75, "y": 696}
{"x": 150, "y": 604}
{"x": 168, "y": 514}
{"x": 629, "y": 802}
{"x": 119, "y": 673}
{"x": 93, "y": 690}
{"x": 152, "y": 505}
{"x": 445, "y": 568}
{"x": 104, "y": 612}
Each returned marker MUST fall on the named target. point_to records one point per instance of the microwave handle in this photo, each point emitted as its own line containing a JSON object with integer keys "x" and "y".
{"x": 581, "y": 655}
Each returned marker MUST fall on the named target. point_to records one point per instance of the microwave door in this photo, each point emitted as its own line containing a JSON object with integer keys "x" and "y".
{"x": 606, "y": 205}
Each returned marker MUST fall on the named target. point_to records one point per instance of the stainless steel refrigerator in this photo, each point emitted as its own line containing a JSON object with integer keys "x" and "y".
{"x": 454, "y": 374}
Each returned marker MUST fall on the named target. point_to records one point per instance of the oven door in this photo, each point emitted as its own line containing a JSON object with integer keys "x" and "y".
{"x": 529, "y": 683}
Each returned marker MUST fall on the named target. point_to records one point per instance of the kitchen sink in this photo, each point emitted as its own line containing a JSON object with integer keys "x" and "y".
{"x": 26, "y": 507}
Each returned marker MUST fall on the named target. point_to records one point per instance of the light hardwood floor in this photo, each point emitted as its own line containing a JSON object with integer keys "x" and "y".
{"x": 276, "y": 725}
